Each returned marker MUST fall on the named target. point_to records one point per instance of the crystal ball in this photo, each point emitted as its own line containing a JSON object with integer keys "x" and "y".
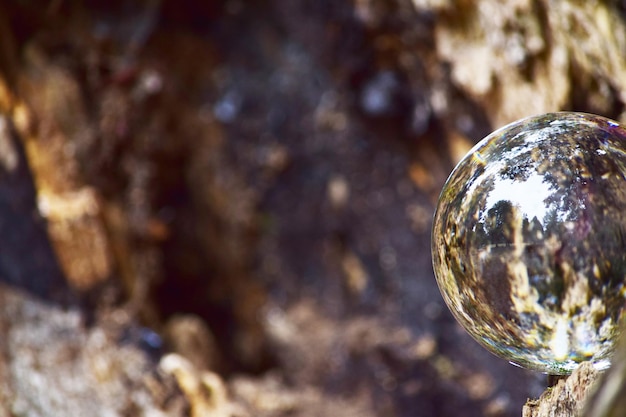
{"x": 529, "y": 241}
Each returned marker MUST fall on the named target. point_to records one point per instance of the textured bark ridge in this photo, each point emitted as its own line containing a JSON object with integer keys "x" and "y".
{"x": 566, "y": 398}
{"x": 224, "y": 207}
{"x": 585, "y": 393}
{"x": 608, "y": 398}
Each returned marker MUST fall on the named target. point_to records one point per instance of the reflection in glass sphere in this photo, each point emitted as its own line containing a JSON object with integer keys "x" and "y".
{"x": 529, "y": 246}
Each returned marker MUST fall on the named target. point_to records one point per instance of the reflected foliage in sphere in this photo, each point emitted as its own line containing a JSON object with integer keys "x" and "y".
{"x": 529, "y": 241}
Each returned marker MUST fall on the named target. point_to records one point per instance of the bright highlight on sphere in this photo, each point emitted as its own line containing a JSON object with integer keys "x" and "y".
{"x": 529, "y": 241}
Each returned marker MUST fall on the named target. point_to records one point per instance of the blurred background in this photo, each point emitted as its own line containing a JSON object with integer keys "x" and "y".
{"x": 224, "y": 207}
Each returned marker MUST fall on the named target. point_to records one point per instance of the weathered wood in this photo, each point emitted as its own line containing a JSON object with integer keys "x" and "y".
{"x": 268, "y": 168}
{"x": 566, "y": 398}
{"x": 609, "y": 396}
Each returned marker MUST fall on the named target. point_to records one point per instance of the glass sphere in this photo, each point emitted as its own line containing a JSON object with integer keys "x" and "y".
{"x": 529, "y": 241}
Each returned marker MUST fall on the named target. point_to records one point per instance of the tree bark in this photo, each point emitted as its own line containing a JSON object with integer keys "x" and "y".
{"x": 223, "y": 208}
